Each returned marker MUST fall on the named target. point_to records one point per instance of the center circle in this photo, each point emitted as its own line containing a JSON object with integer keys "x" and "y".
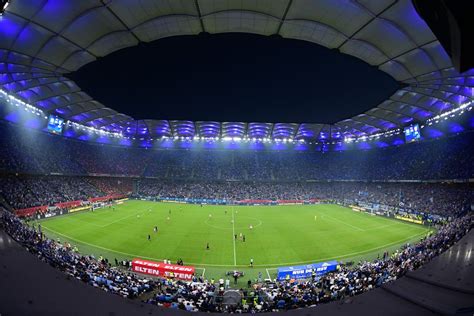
{"x": 225, "y": 222}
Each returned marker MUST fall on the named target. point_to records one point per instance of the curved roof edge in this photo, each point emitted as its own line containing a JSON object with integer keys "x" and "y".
{"x": 42, "y": 40}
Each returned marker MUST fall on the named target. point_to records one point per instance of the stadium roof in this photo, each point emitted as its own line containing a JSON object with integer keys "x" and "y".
{"x": 41, "y": 40}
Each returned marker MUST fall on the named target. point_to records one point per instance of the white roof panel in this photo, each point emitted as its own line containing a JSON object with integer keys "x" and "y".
{"x": 40, "y": 40}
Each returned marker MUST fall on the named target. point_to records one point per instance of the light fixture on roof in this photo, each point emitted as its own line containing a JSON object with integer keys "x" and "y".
{"x": 3, "y": 5}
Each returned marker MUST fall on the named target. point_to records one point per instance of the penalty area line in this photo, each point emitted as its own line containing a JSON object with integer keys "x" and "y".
{"x": 268, "y": 274}
{"x": 342, "y": 222}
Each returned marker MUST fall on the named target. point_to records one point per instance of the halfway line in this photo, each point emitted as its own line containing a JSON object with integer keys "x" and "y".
{"x": 233, "y": 235}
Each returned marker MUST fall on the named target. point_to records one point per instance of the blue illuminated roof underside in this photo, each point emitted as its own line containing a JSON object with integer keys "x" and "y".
{"x": 40, "y": 41}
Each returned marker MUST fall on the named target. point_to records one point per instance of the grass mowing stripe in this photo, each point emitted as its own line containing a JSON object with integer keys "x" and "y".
{"x": 285, "y": 235}
{"x": 264, "y": 265}
{"x": 233, "y": 236}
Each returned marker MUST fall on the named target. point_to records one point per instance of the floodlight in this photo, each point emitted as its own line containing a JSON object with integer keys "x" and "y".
{"x": 3, "y": 5}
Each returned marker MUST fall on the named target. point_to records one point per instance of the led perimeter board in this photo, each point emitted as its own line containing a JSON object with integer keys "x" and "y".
{"x": 305, "y": 272}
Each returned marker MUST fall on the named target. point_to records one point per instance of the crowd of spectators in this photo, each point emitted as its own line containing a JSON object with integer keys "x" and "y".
{"x": 98, "y": 273}
{"x": 441, "y": 159}
{"x": 26, "y": 192}
{"x": 31, "y": 152}
{"x": 200, "y": 294}
{"x": 436, "y": 198}
{"x": 350, "y": 281}
{"x": 53, "y": 170}
{"x": 111, "y": 186}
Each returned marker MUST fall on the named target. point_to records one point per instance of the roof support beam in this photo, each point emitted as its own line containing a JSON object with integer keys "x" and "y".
{"x": 431, "y": 87}
{"x": 440, "y": 71}
{"x": 198, "y": 9}
{"x": 283, "y": 18}
{"x": 430, "y": 96}
{"x": 318, "y": 133}
{"x": 57, "y": 33}
{"x": 375, "y": 115}
{"x": 27, "y": 79}
{"x": 97, "y": 117}
{"x": 119, "y": 119}
{"x": 106, "y": 5}
{"x": 53, "y": 95}
{"x": 367, "y": 23}
{"x": 401, "y": 113}
{"x": 358, "y": 119}
{"x": 413, "y": 104}
{"x": 46, "y": 84}
{"x": 360, "y": 124}
{"x": 344, "y": 128}
{"x": 71, "y": 103}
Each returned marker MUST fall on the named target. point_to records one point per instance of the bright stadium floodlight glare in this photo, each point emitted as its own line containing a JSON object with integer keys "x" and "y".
{"x": 460, "y": 108}
{"x": 3, "y": 5}
{"x": 13, "y": 100}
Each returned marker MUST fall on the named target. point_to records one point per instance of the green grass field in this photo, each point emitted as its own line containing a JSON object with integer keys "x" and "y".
{"x": 281, "y": 235}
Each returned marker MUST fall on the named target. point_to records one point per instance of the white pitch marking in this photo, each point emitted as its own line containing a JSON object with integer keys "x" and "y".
{"x": 233, "y": 236}
{"x": 257, "y": 265}
{"x": 342, "y": 222}
{"x": 121, "y": 219}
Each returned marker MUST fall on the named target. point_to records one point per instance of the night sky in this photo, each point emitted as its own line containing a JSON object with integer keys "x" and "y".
{"x": 235, "y": 77}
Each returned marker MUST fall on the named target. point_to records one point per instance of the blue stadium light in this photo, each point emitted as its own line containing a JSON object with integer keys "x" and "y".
{"x": 256, "y": 132}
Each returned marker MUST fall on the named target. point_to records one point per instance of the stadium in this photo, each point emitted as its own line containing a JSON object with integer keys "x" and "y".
{"x": 103, "y": 212}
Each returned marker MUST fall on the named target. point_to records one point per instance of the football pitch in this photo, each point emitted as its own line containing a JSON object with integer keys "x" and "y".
{"x": 274, "y": 235}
